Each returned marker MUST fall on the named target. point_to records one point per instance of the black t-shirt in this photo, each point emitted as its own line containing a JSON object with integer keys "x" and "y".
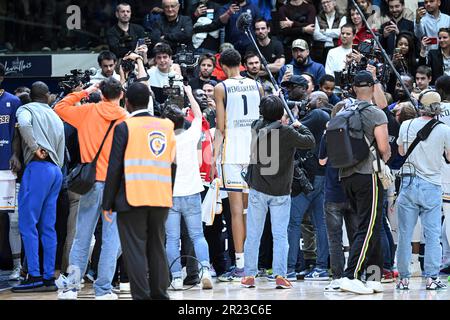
{"x": 197, "y": 83}
{"x": 273, "y": 51}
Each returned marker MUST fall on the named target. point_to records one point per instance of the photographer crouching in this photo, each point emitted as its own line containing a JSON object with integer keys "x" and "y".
{"x": 269, "y": 178}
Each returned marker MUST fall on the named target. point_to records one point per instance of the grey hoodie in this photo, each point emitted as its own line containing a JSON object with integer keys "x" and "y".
{"x": 41, "y": 127}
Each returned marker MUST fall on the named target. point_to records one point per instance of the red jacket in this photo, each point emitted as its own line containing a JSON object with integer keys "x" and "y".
{"x": 207, "y": 147}
{"x": 218, "y": 71}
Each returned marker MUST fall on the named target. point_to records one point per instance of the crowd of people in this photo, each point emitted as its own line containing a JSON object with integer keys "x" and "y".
{"x": 154, "y": 136}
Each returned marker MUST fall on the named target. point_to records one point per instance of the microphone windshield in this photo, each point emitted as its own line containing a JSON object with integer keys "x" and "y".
{"x": 244, "y": 21}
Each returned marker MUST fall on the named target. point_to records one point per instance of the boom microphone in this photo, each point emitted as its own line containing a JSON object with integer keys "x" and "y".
{"x": 244, "y": 21}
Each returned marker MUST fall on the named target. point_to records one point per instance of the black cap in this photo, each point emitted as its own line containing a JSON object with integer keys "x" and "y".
{"x": 363, "y": 79}
{"x": 296, "y": 80}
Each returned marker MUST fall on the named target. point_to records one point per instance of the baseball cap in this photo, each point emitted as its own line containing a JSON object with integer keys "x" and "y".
{"x": 427, "y": 97}
{"x": 297, "y": 80}
{"x": 300, "y": 43}
{"x": 363, "y": 79}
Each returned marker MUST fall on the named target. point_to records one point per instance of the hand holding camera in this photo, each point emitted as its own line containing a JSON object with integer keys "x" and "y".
{"x": 420, "y": 12}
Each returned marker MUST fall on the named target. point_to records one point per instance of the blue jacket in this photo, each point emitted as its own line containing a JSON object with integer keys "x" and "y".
{"x": 315, "y": 68}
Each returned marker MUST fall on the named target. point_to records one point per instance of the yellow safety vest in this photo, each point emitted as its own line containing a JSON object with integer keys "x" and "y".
{"x": 149, "y": 155}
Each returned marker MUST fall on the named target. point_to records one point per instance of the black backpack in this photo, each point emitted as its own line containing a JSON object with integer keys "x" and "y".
{"x": 346, "y": 144}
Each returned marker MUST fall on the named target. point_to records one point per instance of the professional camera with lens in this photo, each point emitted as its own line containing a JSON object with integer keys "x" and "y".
{"x": 370, "y": 56}
{"x": 173, "y": 93}
{"x": 127, "y": 65}
{"x": 184, "y": 57}
{"x": 302, "y": 106}
{"x": 75, "y": 79}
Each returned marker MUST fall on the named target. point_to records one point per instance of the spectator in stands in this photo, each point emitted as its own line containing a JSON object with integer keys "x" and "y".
{"x": 271, "y": 48}
{"x": 252, "y": 63}
{"x": 438, "y": 59}
{"x": 92, "y": 121}
{"x": 404, "y": 57}
{"x": 336, "y": 58}
{"x": 327, "y": 84}
{"x": 42, "y": 134}
{"x": 423, "y": 78}
{"x": 301, "y": 62}
{"x": 206, "y": 65}
{"x": 362, "y": 33}
{"x": 207, "y": 25}
{"x": 173, "y": 28}
{"x": 123, "y": 37}
{"x": 218, "y": 71}
{"x": 297, "y": 19}
{"x": 386, "y": 14}
{"x": 371, "y": 12}
{"x": 399, "y": 93}
{"x": 107, "y": 62}
{"x": 429, "y": 20}
{"x": 229, "y": 15}
{"x": 159, "y": 74}
{"x": 326, "y": 30}
{"x": 390, "y": 30}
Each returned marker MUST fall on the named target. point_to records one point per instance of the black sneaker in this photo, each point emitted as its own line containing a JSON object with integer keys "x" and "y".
{"x": 31, "y": 284}
{"x": 191, "y": 280}
{"x": 49, "y": 285}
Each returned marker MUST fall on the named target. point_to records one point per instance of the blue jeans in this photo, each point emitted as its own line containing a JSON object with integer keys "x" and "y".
{"x": 258, "y": 203}
{"x": 300, "y": 205}
{"x": 89, "y": 210}
{"x": 419, "y": 197}
{"x": 39, "y": 190}
{"x": 190, "y": 208}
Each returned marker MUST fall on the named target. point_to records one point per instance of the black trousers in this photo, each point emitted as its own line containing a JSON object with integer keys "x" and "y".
{"x": 365, "y": 193}
{"x": 142, "y": 236}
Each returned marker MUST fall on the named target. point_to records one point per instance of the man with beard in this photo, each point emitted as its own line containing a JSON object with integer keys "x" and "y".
{"x": 301, "y": 63}
{"x": 252, "y": 63}
{"x": 399, "y": 93}
{"x": 206, "y": 63}
{"x": 391, "y": 29}
{"x": 123, "y": 37}
{"x": 429, "y": 19}
{"x": 107, "y": 62}
{"x": 271, "y": 49}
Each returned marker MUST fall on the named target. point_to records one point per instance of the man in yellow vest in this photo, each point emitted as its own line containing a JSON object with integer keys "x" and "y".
{"x": 139, "y": 188}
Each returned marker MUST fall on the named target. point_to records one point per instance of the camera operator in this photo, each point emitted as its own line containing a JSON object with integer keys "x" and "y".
{"x": 206, "y": 64}
{"x": 336, "y": 58}
{"x": 207, "y": 26}
{"x": 107, "y": 62}
{"x": 172, "y": 27}
{"x": 295, "y": 90}
{"x": 159, "y": 74}
{"x": 315, "y": 119}
{"x": 123, "y": 37}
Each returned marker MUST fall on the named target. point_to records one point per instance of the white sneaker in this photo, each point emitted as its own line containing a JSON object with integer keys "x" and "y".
{"x": 206, "y": 281}
{"x": 125, "y": 287}
{"x": 334, "y": 286}
{"x": 416, "y": 271}
{"x": 68, "y": 294}
{"x": 177, "y": 284}
{"x": 15, "y": 275}
{"x": 376, "y": 286}
{"x": 108, "y": 296}
{"x": 354, "y": 286}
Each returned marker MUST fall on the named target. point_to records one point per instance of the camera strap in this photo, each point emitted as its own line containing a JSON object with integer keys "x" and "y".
{"x": 422, "y": 135}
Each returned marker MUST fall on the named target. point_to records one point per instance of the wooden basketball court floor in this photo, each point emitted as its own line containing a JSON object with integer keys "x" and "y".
{"x": 265, "y": 290}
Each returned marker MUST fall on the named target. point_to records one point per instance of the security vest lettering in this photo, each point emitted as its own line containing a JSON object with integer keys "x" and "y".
{"x": 149, "y": 155}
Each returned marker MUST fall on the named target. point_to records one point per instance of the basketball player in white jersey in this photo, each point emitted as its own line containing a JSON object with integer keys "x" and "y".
{"x": 443, "y": 88}
{"x": 237, "y": 106}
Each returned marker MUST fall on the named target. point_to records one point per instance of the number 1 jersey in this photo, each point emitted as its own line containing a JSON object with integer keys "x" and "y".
{"x": 242, "y": 98}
